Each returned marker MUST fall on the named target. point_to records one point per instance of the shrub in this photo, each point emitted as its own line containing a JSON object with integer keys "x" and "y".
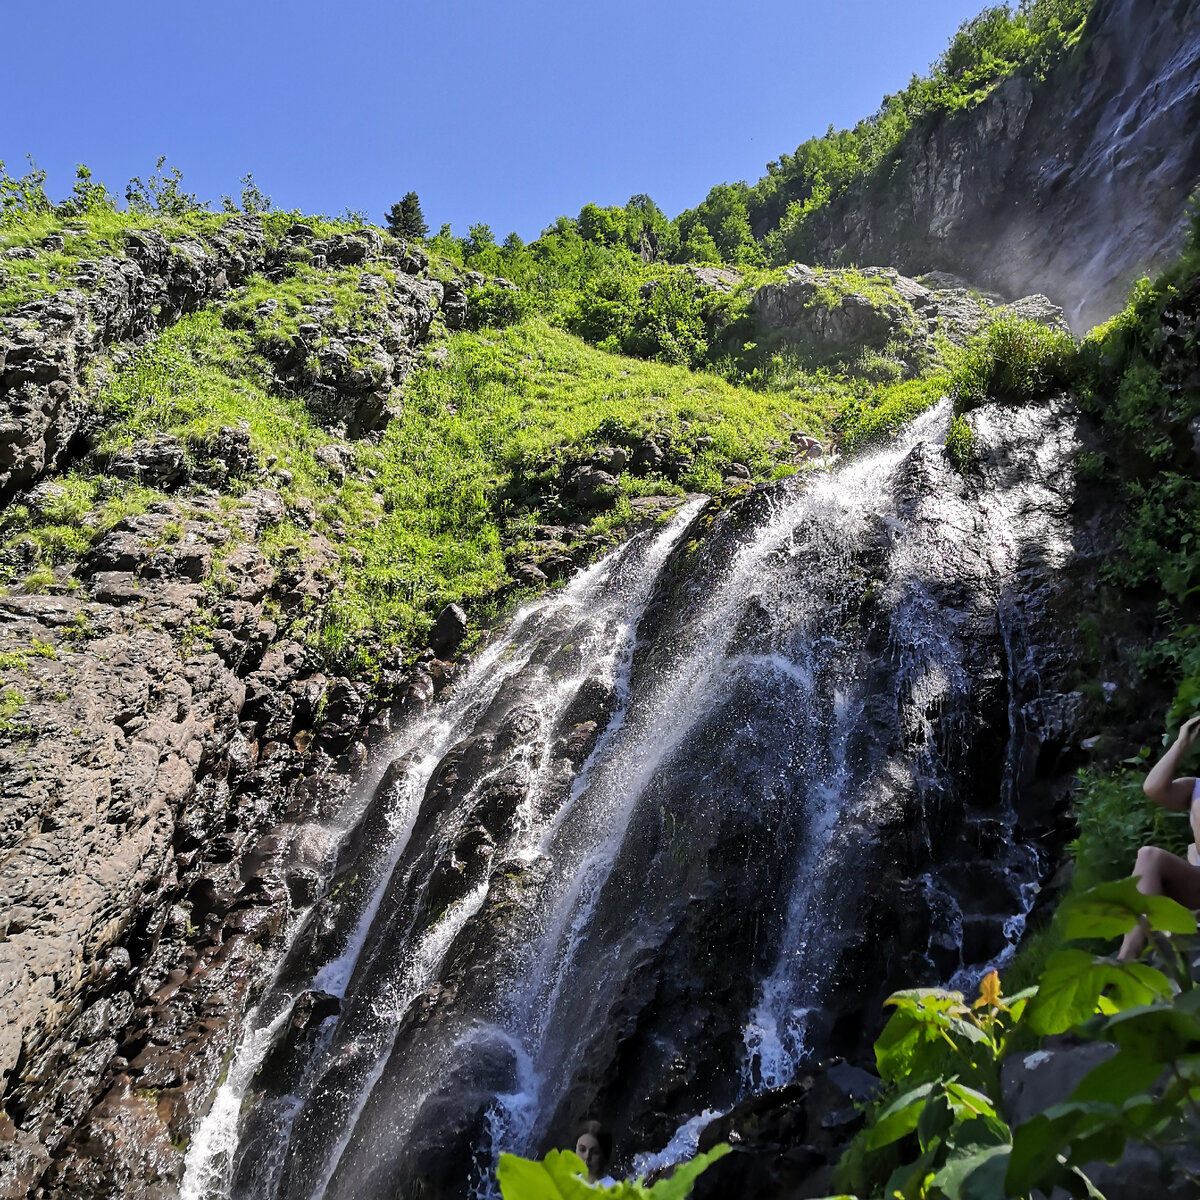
{"x": 491, "y": 304}
{"x": 162, "y": 193}
{"x": 670, "y": 326}
{"x": 1015, "y": 359}
{"x": 937, "y": 1131}
{"x": 24, "y": 196}
{"x": 960, "y": 444}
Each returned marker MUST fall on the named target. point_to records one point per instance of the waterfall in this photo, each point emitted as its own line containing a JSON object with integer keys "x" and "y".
{"x": 670, "y": 836}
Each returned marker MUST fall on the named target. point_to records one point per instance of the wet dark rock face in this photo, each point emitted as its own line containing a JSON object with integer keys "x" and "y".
{"x": 1012, "y": 192}
{"x": 839, "y": 765}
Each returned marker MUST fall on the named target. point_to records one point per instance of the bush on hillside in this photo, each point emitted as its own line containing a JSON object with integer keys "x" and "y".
{"x": 1015, "y": 359}
{"x": 490, "y": 304}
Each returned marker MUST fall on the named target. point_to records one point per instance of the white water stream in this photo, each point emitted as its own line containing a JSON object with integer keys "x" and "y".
{"x": 772, "y": 647}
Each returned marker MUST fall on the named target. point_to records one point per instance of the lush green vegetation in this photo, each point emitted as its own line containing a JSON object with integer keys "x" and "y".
{"x": 480, "y": 454}
{"x": 1015, "y": 359}
{"x": 561, "y": 1175}
{"x": 90, "y": 224}
{"x": 597, "y": 251}
{"x": 937, "y": 1130}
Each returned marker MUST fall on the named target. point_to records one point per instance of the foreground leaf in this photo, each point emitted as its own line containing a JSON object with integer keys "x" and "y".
{"x": 900, "y": 1117}
{"x": 1112, "y": 910}
{"x": 1071, "y": 985}
{"x": 976, "y": 1176}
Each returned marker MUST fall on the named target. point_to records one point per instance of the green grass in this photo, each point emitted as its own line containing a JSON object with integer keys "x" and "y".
{"x": 883, "y": 413}
{"x": 90, "y": 236}
{"x": 200, "y": 375}
{"x": 479, "y": 449}
{"x": 1014, "y": 359}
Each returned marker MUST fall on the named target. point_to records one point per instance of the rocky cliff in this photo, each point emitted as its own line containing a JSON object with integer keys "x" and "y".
{"x": 1071, "y": 186}
{"x": 163, "y": 714}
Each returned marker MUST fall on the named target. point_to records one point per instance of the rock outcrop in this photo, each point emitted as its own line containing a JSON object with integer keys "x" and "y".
{"x": 833, "y": 311}
{"x": 1071, "y": 186}
{"x": 348, "y": 366}
{"x": 167, "y": 750}
{"x": 48, "y": 345}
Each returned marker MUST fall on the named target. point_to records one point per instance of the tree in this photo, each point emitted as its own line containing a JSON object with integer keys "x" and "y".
{"x": 479, "y": 238}
{"x": 405, "y": 218}
{"x": 603, "y": 225}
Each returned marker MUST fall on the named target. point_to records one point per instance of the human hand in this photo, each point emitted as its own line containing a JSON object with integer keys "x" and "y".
{"x": 1189, "y": 731}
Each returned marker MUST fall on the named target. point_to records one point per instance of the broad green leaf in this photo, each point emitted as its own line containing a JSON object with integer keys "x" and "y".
{"x": 1067, "y": 994}
{"x": 975, "y": 1176}
{"x": 680, "y": 1183}
{"x": 1016, "y": 1004}
{"x": 1105, "y": 1143}
{"x": 1157, "y": 1033}
{"x": 1112, "y": 910}
{"x": 902, "y": 1045}
{"x": 910, "y": 1178}
{"x": 967, "y": 1102}
{"x": 1079, "y": 1185}
{"x": 966, "y": 1029}
{"x": 1037, "y": 1144}
{"x": 1118, "y": 1078}
{"x": 559, "y": 1176}
{"x": 927, "y": 1000}
{"x": 1070, "y": 989}
{"x": 937, "y": 1119}
{"x": 900, "y": 1117}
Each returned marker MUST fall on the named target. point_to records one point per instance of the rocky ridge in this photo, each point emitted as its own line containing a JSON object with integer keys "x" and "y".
{"x": 1073, "y": 185}
{"x": 166, "y": 746}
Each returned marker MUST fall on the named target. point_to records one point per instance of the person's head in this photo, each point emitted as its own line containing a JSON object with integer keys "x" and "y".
{"x": 593, "y": 1143}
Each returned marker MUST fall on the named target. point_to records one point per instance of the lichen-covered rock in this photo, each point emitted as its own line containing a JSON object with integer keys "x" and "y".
{"x": 45, "y": 346}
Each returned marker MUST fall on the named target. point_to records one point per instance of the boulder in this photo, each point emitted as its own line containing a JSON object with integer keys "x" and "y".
{"x": 448, "y": 630}
{"x": 589, "y": 485}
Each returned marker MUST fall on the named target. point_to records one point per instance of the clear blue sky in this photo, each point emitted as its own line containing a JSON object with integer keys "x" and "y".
{"x": 509, "y": 113}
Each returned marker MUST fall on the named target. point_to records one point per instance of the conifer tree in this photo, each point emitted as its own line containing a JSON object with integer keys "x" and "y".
{"x": 405, "y": 218}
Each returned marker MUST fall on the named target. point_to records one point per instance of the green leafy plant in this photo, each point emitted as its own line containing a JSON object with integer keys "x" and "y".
{"x": 161, "y": 193}
{"x": 943, "y": 1134}
{"x": 22, "y": 196}
{"x": 561, "y": 1175}
{"x": 1015, "y": 359}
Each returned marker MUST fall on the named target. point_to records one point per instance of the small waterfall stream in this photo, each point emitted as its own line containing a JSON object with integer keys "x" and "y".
{"x": 627, "y": 867}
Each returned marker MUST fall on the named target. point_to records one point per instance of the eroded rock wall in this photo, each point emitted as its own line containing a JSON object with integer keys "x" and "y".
{"x": 171, "y": 751}
{"x": 1071, "y": 186}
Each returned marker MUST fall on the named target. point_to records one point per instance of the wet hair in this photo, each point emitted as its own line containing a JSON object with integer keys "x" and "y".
{"x": 600, "y": 1134}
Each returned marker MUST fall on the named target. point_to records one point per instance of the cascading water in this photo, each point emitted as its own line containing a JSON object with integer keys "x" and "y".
{"x": 639, "y": 881}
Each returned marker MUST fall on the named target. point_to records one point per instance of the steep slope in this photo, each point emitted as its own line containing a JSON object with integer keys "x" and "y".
{"x": 1071, "y": 186}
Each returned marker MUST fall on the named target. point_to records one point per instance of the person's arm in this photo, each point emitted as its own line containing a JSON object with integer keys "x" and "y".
{"x": 1161, "y": 784}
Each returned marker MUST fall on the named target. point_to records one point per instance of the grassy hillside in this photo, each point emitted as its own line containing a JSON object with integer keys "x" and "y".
{"x": 594, "y": 350}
